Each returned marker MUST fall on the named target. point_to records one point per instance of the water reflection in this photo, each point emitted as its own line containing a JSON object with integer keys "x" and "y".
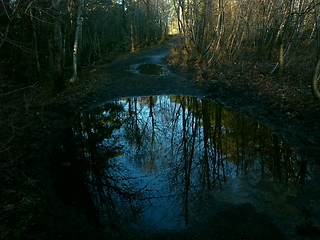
{"x": 151, "y": 69}
{"x": 152, "y": 161}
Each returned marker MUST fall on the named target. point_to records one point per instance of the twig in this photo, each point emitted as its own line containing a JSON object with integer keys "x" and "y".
{"x": 17, "y": 90}
{"x": 5, "y": 9}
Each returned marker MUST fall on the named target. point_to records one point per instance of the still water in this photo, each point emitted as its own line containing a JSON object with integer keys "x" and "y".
{"x": 158, "y": 162}
{"x": 151, "y": 69}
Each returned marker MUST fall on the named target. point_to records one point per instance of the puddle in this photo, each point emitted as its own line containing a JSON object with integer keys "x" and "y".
{"x": 151, "y": 69}
{"x": 161, "y": 162}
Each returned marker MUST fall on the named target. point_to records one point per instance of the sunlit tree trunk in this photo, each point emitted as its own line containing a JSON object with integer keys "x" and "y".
{"x": 76, "y": 42}
{"x": 132, "y": 38}
{"x": 281, "y": 55}
{"x": 183, "y": 23}
{"x": 316, "y": 23}
{"x": 315, "y": 81}
{"x": 220, "y": 27}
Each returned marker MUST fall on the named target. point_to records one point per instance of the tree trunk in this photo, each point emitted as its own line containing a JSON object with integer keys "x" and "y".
{"x": 76, "y": 42}
{"x": 34, "y": 33}
{"x": 55, "y": 49}
{"x": 315, "y": 81}
{"x": 281, "y": 55}
{"x": 148, "y": 22}
{"x": 132, "y": 38}
{"x": 184, "y": 23}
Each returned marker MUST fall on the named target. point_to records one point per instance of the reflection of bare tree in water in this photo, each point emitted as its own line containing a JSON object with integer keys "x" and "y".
{"x": 133, "y": 124}
{"x": 152, "y": 142}
{"x": 100, "y": 182}
{"x": 102, "y": 175}
{"x": 229, "y": 144}
{"x": 217, "y": 143}
{"x": 206, "y": 182}
{"x": 196, "y": 145}
{"x": 213, "y": 160}
{"x": 188, "y": 149}
{"x": 140, "y": 131}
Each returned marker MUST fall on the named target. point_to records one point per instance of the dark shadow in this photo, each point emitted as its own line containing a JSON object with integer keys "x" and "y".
{"x": 151, "y": 69}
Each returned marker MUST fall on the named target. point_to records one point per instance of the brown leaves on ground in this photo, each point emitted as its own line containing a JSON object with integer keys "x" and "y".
{"x": 288, "y": 90}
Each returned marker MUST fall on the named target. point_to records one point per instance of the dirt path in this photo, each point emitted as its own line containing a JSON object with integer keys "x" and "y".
{"x": 299, "y": 129}
{"x": 122, "y": 80}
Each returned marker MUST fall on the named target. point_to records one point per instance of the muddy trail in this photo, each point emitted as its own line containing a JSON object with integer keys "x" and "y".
{"x": 123, "y": 78}
{"x": 300, "y": 126}
{"x": 259, "y": 208}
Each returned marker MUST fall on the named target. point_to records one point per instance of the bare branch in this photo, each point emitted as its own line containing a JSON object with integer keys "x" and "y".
{"x": 17, "y": 90}
{"x": 5, "y": 9}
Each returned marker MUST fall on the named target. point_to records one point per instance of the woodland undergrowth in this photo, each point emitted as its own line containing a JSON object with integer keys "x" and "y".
{"x": 29, "y": 208}
{"x": 252, "y": 76}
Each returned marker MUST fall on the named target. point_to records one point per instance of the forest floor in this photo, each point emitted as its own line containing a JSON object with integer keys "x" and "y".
{"x": 280, "y": 101}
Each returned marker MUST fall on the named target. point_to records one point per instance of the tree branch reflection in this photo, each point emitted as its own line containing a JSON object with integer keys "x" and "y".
{"x": 155, "y": 158}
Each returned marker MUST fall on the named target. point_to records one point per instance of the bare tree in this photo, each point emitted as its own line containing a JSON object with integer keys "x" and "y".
{"x": 76, "y": 41}
{"x": 315, "y": 82}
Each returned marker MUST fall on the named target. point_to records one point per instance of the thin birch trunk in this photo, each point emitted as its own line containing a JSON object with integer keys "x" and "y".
{"x": 315, "y": 81}
{"x": 76, "y": 42}
{"x": 132, "y": 38}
